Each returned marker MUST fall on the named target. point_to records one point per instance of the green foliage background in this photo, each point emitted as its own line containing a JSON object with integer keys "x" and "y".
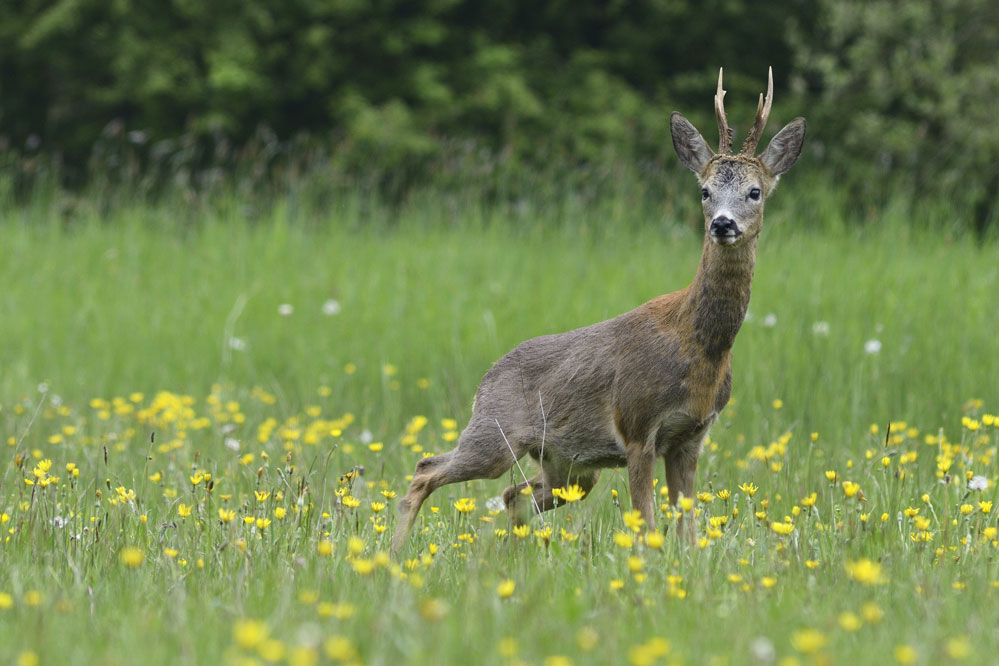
{"x": 901, "y": 96}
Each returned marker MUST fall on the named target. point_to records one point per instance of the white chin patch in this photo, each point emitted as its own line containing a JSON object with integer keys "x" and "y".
{"x": 724, "y": 240}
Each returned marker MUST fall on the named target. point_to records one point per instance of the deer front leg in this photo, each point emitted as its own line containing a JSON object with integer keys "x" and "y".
{"x": 681, "y": 466}
{"x": 641, "y": 469}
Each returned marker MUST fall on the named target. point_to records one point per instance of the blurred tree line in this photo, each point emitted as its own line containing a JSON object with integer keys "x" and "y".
{"x": 898, "y": 93}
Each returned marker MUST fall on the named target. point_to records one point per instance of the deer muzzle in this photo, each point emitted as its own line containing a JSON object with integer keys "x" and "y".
{"x": 724, "y": 230}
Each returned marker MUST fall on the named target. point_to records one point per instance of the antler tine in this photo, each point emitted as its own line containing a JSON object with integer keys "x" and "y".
{"x": 762, "y": 114}
{"x": 724, "y": 132}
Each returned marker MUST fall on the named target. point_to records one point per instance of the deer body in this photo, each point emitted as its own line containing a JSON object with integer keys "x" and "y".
{"x": 643, "y": 386}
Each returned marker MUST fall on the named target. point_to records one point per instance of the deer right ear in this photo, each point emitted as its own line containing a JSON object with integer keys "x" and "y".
{"x": 690, "y": 146}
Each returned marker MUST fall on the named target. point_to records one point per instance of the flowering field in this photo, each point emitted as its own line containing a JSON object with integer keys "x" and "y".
{"x": 205, "y": 434}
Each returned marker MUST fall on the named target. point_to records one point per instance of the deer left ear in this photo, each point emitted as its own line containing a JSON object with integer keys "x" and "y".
{"x": 785, "y": 147}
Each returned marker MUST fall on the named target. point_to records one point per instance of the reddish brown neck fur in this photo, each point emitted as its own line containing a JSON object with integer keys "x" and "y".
{"x": 718, "y": 296}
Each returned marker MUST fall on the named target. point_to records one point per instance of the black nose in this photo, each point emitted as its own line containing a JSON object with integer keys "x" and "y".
{"x": 723, "y": 226}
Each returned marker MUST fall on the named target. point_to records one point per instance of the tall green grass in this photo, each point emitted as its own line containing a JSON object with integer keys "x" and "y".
{"x": 146, "y": 299}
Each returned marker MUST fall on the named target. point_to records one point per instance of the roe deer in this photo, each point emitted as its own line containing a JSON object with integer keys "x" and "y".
{"x": 647, "y": 384}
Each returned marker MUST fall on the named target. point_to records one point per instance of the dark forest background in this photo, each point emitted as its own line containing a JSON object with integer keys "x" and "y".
{"x": 902, "y": 97}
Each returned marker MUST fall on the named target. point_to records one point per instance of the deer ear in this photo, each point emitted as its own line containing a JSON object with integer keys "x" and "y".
{"x": 690, "y": 146}
{"x": 785, "y": 147}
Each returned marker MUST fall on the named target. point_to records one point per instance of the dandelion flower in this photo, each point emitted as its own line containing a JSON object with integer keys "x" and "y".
{"x": 249, "y": 633}
{"x": 572, "y": 493}
{"x": 957, "y": 648}
{"x": 849, "y": 621}
{"x": 362, "y": 566}
{"x": 131, "y": 556}
{"x": 434, "y": 609}
{"x": 27, "y": 658}
{"x": 865, "y": 571}
{"x": 505, "y": 589}
{"x": 782, "y": 528}
{"x": 633, "y": 520}
{"x": 905, "y": 654}
{"x": 355, "y": 546}
{"x": 623, "y": 540}
{"x": 507, "y": 647}
{"x": 339, "y": 648}
{"x": 808, "y": 640}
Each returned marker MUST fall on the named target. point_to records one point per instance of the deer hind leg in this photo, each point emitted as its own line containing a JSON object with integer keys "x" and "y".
{"x": 540, "y": 499}
{"x": 479, "y": 455}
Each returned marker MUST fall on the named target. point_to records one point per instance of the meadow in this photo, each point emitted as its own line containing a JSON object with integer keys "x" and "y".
{"x": 207, "y": 422}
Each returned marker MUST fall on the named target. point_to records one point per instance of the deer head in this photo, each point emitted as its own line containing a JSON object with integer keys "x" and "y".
{"x": 734, "y": 187}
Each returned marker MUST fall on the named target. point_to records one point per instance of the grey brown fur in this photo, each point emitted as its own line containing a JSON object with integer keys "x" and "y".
{"x": 642, "y": 386}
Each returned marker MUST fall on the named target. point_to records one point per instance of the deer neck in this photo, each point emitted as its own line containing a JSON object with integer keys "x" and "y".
{"x": 718, "y": 297}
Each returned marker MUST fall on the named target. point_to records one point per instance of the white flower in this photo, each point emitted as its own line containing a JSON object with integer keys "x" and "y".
{"x": 59, "y": 522}
{"x": 763, "y": 650}
{"x": 237, "y": 344}
{"x": 495, "y": 504}
{"x": 366, "y": 436}
{"x": 232, "y": 444}
{"x": 770, "y": 320}
{"x": 978, "y": 482}
{"x": 872, "y": 346}
{"x": 285, "y": 309}
{"x": 43, "y": 388}
{"x": 820, "y": 328}
{"x": 331, "y": 307}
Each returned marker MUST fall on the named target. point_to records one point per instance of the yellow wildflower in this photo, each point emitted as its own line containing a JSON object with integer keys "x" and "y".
{"x": 623, "y": 540}
{"x": 505, "y": 589}
{"x": 864, "y": 571}
{"x": 573, "y": 493}
{"x": 808, "y": 640}
{"x": 782, "y": 528}
{"x": 131, "y": 556}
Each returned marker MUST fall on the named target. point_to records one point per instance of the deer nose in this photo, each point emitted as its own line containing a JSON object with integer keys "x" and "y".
{"x": 724, "y": 226}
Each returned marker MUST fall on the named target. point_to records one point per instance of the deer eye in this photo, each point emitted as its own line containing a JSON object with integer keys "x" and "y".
{"x": 704, "y": 194}
{"x": 754, "y": 194}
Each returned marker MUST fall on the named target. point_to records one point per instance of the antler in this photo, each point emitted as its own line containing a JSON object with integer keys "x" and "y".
{"x": 762, "y": 114}
{"x": 724, "y": 131}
